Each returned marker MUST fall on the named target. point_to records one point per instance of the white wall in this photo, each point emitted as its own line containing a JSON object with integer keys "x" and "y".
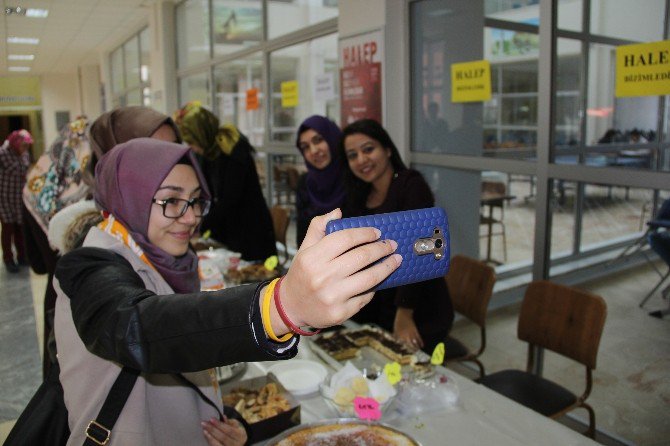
{"x": 60, "y": 92}
{"x": 89, "y": 87}
{"x": 358, "y": 16}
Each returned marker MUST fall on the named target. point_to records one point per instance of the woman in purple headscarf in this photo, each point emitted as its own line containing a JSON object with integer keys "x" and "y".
{"x": 321, "y": 189}
{"x": 129, "y": 298}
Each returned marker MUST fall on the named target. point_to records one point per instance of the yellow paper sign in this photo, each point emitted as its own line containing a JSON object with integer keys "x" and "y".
{"x": 438, "y": 354}
{"x": 471, "y": 81}
{"x": 643, "y": 69}
{"x": 289, "y": 94}
{"x": 392, "y": 370}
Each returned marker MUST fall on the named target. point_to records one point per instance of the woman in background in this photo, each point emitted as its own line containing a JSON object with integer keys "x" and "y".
{"x": 239, "y": 218}
{"x": 377, "y": 182}
{"x": 14, "y": 162}
{"x": 64, "y": 176}
{"x": 321, "y": 189}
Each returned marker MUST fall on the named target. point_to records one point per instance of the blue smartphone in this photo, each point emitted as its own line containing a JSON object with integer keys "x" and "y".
{"x": 423, "y": 242}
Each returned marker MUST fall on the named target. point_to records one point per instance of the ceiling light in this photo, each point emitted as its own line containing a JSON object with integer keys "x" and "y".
{"x": 37, "y": 13}
{"x": 27, "y": 12}
{"x": 19, "y": 68}
{"x": 26, "y": 40}
{"x": 21, "y": 57}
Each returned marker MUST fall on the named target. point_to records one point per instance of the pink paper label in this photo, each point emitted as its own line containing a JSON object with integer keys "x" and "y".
{"x": 367, "y": 408}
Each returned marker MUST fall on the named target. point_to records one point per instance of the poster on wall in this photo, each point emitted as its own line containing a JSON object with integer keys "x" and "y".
{"x": 643, "y": 69}
{"x": 361, "y": 77}
{"x": 237, "y": 22}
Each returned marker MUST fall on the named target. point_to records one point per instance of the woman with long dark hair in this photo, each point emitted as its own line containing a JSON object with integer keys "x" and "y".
{"x": 377, "y": 181}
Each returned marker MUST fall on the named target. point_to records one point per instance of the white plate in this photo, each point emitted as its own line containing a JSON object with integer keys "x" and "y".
{"x": 299, "y": 376}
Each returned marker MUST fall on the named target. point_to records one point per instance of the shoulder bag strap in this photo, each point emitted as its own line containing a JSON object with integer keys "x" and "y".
{"x": 99, "y": 431}
{"x": 204, "y": 397}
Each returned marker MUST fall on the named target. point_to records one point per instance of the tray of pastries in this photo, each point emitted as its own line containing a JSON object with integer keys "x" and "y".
{"x": 367, "y": 347}
{"x": 343, "y": 432}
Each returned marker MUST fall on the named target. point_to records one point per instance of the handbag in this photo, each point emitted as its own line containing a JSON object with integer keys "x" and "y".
{"x": 44, "y": 421}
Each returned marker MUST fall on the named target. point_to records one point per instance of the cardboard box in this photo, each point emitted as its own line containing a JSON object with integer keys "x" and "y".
{"x": 269, "y": 427}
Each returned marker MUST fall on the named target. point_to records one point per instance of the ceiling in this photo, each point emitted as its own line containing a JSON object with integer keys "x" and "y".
{"x": 72, "y": 34}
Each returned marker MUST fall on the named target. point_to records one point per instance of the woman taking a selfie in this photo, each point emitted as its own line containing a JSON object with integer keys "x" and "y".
{"x": 378, "y": 182}
{"x": 129, "y": 298}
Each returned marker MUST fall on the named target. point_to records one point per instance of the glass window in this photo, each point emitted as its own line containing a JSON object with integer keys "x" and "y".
{"x": 116, "y": 62}
{"x": 523, "y": 11}
{"x": 306, "y": 64}
{"x": 628, "y": 20}
{"x": 438, "y": 124}
{"x": 505, "y": 218}
{"x": 567, "y": 98}
{"x": 132, "y": 61}
{"x": 232, "y": 81}
{"x": 134, "y": 97}
{"x": 570, "y": 14}
{"x": 563, "y": 219}
{"x": 622, "y": 208}
{"x": 285, "y": 16}
{"x": 236, "y": 24}
{"x": 194, "y": 88}
{"x": 192, "y": 19}
{"x": 145, "y": 56}
{"x": 617, "y": 121}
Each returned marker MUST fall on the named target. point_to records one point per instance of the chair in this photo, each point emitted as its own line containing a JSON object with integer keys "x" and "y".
{"x": 659, "y": 223}
{"x": 281, "y": 188}
{"x": 492, "y": 196}
{"x": 280, "y": 223}
{"x": 470, "y": 284}
{"x": 567, "y": 321}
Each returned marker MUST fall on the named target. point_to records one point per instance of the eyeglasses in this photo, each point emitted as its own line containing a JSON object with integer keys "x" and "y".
{"x": 177, "y": 207}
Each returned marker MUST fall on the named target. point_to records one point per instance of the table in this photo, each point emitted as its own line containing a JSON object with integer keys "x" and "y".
{"x": 493, "y": 199}
{"x": 482, "y": 416}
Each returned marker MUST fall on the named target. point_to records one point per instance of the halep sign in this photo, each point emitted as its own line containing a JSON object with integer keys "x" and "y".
{"x": 643, "y": 69}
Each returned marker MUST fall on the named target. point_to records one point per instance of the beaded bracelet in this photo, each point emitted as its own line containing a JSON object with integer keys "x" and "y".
{"x": 282, "y": 314}
{"x": 265, "y": 314}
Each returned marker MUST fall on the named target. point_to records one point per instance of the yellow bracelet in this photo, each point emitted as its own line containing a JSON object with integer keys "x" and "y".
{"x": 265, "y": 314}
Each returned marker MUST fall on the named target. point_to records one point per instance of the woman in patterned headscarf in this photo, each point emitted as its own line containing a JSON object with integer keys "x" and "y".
{"x": 64, "y": 175}
{"x": 239, "y": 218}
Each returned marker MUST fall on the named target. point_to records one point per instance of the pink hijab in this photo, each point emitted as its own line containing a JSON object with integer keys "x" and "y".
{"x": 127, "y": 177}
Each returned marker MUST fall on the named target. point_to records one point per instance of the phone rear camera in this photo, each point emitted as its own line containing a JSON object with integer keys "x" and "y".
{"x": 438, "y": 243}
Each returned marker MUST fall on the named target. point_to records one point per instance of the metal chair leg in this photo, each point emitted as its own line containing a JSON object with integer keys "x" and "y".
{"x": 658, "y": 285}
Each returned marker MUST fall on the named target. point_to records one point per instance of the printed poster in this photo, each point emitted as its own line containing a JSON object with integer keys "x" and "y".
{"x": 361, "y": 77}
{"x": 643, "y": 69}
{"x": 471, "y": 81}
{"x": 252, "y": 99}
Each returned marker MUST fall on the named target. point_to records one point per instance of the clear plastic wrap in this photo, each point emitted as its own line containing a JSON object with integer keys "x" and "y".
{"x": 418, "y": 395}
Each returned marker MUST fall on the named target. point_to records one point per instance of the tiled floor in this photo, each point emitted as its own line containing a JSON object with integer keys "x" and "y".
{"x": 631, "y": 393}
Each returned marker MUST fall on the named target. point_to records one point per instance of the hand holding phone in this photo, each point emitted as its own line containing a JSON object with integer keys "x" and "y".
{"x": 423, "y": 242}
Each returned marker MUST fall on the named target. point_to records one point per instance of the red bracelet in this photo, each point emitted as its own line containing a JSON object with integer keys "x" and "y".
{"x": 291, "y": 326}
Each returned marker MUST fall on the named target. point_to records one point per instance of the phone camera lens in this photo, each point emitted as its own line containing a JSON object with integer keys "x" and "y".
{"x": 438, "y": 243}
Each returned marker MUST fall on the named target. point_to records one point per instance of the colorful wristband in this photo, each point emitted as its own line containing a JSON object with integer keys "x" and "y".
{"x": 282, "y": 314}
{"x": 265, "y": 314}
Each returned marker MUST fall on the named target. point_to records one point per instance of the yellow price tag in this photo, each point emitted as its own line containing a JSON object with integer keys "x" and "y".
{"x": 438, "y": 354}
{"x": 271, "y": 263}
{"x": 392, "y": 370}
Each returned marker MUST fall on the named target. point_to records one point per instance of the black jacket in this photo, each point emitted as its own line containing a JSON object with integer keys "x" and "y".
{"x": 120, "y": 320}
{"x": 239, "y": 217}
